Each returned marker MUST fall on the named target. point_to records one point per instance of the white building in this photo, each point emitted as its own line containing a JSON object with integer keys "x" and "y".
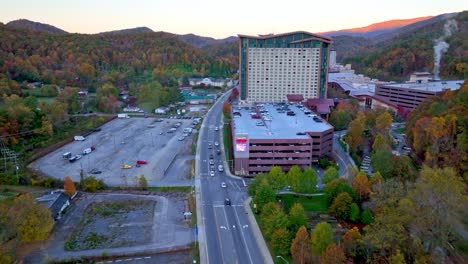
{"x": 273, "y": 66}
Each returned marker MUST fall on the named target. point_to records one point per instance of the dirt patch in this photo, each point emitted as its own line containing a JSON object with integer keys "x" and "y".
{"x": 113, "y": 224}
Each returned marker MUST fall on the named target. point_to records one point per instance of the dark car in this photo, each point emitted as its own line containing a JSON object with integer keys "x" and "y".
{"x": 218, "y": 152}
{"x": 227, "y": 201}
{"x": 96, "y": 172}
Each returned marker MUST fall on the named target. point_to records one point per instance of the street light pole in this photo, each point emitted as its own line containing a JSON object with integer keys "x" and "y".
{"x": 282, "y": 259}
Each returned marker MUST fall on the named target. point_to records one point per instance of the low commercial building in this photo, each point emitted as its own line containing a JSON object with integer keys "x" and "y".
{"x": 284, "y": 135}
{"x": 410, "y": 95}
{"x": 56, "y": 201}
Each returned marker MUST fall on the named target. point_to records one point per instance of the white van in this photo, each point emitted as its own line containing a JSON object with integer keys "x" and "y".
{"x": 79, "y": 138}
{"x": 87, "y": 151}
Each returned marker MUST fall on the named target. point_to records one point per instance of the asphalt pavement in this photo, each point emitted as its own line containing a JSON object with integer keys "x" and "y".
{"x": 227, "y": 235}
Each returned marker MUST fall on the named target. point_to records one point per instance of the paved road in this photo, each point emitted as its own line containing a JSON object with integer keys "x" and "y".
{"x": 227, "y": 235}
{"x": 343, "y": 159}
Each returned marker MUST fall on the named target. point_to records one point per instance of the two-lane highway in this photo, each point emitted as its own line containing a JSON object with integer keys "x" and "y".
{"x": 228, "y": 236}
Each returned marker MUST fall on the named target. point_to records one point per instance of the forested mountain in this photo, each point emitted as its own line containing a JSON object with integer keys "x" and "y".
{"x": 375, "y": 29}
{"x": 438, "y": 130}
{"x": 136, "y": 30}
{"x": 35, "y": 26}
{"x": 413, "y": 50}
{"x": 88, "y": 61}
{"x": 200, "y": 42}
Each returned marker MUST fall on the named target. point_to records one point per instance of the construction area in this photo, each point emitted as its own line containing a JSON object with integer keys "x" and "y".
{"x": 124, "y": 149}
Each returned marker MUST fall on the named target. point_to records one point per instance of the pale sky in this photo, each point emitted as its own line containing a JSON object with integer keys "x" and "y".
{"x": 220, "y": 18}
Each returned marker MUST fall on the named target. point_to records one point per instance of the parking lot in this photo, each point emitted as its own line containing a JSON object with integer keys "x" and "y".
{"x": 118, "y": 146}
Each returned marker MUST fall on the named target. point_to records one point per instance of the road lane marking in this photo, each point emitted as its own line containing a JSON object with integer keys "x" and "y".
{"x": 243, "y": 237}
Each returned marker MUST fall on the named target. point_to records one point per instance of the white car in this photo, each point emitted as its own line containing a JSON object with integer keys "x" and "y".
{"x": 216, "y": 143}
{"x": 212, "y": 173}
{"x": 216, "y": 128}
{"x": 223, "y": 185}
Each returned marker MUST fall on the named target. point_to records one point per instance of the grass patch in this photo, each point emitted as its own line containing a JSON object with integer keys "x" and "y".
{"x": 112, "y": 208}
{"x": 317, "y": 204}
{"x": 48, "y": 100}
{"x": 147, "y": 106}
{"x": 185, "y": 189}
{"x": 193, "y": 208}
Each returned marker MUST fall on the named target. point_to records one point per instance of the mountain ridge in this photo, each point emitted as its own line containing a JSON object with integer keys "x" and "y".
{"x": 376, "y": 28}
{"x": 35, "y": 26}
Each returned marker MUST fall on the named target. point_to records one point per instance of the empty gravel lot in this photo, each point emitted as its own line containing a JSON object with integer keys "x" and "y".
{"x": 121, "y": 142}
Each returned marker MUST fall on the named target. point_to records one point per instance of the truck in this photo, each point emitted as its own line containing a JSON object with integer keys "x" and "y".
{"x": 67, "y": 155}
{"x": 79, "y": 138}
{"x": 88, "y": 150}
{"x": 123, "y": 116}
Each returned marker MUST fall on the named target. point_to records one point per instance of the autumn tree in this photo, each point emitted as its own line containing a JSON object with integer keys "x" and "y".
{"x": 273, "y": 218}
{"x": 69, "y": 187}
{"x": 351, "y": 241}
{"x": 387, "y": 232}
{"x": 383, "y": 123}
{"x": 354, "y": 134}
{"x": 321, "y": 237}
{"x": 341, "y": 205}
{"x": 397, "y": 258}
{"x": 380, "y": 144}
{"x": 330, "y": 174}
{"x": 281, "y": 241}
{"x": 226, "y": 108}
{"x": 437, "y": 205}
{"x": 333, "y": 255}
{"x": 362, "y": 186}
{"x": 301, "y": 247}
{"x": 143, "y": 183}
{"x": 335, "y": 187}
{"x": 297, "y": 217}
{"x": 32, "y": 222}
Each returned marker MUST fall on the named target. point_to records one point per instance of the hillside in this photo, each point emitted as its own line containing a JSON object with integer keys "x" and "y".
{"x": 200, "y": 41}
{"x": 88, "y": 61}
{"x": 35, "y": 26}
{"x": 127, "y": 31}
{"x": 375, "y": 29}
{"x": 411, "y": 49}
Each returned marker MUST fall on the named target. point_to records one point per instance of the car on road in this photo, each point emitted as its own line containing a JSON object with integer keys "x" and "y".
{"x": 212, "y": 174}
{"x": 223, "y": 185}
{"x": 227, "y": 201}
{"x": 211, "y": 156}
{"x": 95, "y": 171}
{"x": 218, "y": 152}
{"x": 181, "y": 138}
{"x": 211, "y": 162}
{"x": 141, "y": 162}
{"x": 216, "y": 143}
{"x": 126, "y": 166}
{"x": 210, "y": 146}
{"x": 78, "y": 157}
{"x": 161, "y": 133}
{"x": 216, "y": 128}
{"x": 220, "y": 168}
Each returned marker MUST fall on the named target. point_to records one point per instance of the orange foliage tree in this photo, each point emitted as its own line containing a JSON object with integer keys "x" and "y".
{"x": 362, "y": 186}
{"x": 300, "y": 248}
{"x": 333, "y": 255}
{"x": 69, "y": 187}
{"x": 226, "y": 108}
